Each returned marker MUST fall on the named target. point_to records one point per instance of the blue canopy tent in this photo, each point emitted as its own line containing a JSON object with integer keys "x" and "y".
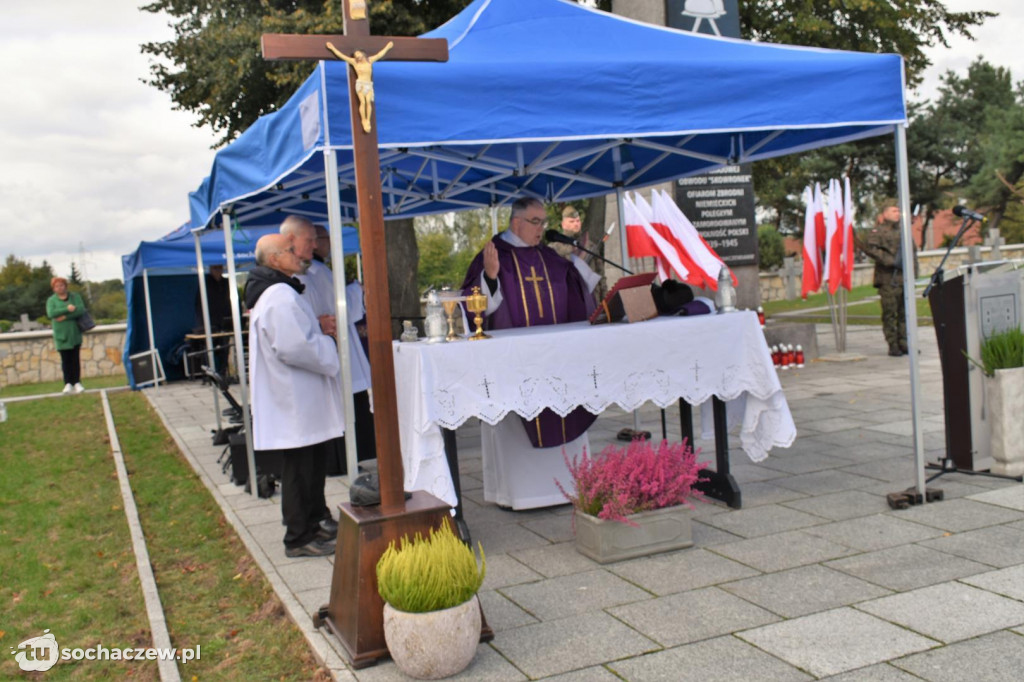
{"x": 167, "y": 267}
{"x": 551, "y": 99}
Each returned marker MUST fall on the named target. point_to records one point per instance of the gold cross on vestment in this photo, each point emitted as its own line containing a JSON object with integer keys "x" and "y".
{"x": 535, "y": 279}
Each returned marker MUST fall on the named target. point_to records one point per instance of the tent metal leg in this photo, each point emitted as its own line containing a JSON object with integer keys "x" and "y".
{"x": 206, "y": 327}
{"x": 919, "y": 493}
{"x": 153, "y": 354}
{"x": 341, "y": 311}
{"x": 243, "y": 377}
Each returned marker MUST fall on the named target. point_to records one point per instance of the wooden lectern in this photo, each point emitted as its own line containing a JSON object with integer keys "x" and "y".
{"x": 987, "y": 298}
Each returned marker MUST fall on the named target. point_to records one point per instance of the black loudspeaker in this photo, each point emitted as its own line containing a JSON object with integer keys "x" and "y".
{"x": 146, "y": 368}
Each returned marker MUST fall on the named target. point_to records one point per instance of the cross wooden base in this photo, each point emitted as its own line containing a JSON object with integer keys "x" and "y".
{"x": 355, "y": 613}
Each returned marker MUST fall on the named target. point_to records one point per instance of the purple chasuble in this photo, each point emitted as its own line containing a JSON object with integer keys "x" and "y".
{"x": 538, "y": 287}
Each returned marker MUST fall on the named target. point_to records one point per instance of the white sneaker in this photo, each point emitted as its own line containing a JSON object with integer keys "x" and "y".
{"x": 79, "y": 388}
{"x": 67, "y": 388}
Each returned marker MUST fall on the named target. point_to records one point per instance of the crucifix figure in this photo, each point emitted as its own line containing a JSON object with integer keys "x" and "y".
{"x": 355, "y": 611}
{"x": 363, "y": 66}
{"x": 535, "y": 280}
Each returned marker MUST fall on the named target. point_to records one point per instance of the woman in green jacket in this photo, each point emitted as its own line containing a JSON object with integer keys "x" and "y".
{"x": 63, "y": 308}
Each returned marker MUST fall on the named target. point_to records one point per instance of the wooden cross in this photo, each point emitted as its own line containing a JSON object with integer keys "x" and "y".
{"x": 535, "y": 279}
{"x": 371, "y": 214}
{"x": 355, "y": 611}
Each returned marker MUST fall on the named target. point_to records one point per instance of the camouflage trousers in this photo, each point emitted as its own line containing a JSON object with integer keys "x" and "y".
{"x": 894, "y": 317}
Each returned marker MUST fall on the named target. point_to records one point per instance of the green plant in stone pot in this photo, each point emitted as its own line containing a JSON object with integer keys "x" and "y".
{"x": 431, "y": 614}
{"x": 1004, "y": 350}
{"x": 1002, "y": 361}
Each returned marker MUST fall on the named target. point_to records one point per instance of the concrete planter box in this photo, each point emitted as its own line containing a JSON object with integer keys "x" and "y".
{"x": 1006, "y": 415}
{"x": 435, "y": 644}
{"x": 660, "y": 530}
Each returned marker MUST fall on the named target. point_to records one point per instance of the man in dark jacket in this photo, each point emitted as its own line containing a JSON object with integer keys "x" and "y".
{"x": 296, "y": 393}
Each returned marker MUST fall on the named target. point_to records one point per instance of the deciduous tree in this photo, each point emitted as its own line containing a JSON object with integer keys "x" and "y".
{"x": 906, "y": 27}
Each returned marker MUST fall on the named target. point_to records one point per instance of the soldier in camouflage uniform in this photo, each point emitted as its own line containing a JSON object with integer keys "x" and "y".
{"x": 882, "y": 245}
{"x": 571, "y": 226}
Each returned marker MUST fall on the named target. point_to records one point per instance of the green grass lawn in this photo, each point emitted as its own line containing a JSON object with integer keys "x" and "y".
{"x": 862, "y": 307}
{"x": 42, "y": 388}
{"x": 67, "y": 564}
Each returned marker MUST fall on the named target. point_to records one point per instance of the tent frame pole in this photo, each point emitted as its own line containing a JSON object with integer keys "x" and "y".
{"x": 206, "y": 326}
{"x": 341, "y": 309}
{"x": 149, "y": 327}
{"x": 621, "y": 210}
{"x": 910, "y": 304}
{"x": 236, "y": 323}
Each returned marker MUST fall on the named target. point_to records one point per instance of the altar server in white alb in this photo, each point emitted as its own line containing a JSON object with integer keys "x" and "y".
{"x": 312, "y": 244}
{"x": 366, "y": 441}
{"x": 296, "y": 395}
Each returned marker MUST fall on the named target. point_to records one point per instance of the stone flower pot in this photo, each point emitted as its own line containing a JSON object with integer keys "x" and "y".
{"x": 658, "y": 530}
{"x": 435, "y": 644}
{"x": 1005, "y": 392}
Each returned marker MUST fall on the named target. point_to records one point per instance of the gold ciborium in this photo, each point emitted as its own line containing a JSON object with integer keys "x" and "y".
{"x": 451, "y": 301}
{"x": 476, "y": 303}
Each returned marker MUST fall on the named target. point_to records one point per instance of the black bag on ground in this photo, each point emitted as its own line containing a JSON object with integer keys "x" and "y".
{"x": 268, "y": 466}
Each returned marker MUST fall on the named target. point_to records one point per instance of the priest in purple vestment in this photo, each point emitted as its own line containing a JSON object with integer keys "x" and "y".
{"x": 528, "y": 284}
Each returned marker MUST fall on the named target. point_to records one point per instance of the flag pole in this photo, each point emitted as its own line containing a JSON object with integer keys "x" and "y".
{"x": 832, "y": 315}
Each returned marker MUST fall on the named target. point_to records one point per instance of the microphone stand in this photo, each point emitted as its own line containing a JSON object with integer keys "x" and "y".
{"x": 600, "y": 257}
{"x": 939, "y": 274}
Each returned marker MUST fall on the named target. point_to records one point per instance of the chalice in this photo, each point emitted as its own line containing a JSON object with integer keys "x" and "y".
{"x": 451, "y": 302}
{"x": 476, "y": 303}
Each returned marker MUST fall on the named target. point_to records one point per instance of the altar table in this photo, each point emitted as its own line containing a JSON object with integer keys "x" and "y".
{"x": 664, "y": 360}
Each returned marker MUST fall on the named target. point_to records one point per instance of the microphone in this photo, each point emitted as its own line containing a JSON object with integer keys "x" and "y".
{"x": 556, "y": 236}
{"x": 964, "y": 212}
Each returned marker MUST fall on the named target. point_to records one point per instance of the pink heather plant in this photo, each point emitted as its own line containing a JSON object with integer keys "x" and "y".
{"x": 635, "y": 478}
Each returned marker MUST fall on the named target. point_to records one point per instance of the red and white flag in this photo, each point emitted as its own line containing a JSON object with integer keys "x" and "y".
{"x": 700, "y": 252}
{"x": 666, "y": 223}
{"x": 638, "y": 217}
{"x": 812, "y": 250}
{"x": 833, "y": 270}
{"x": 848, "y": 212}
{"x": 819, "y": 217}
{"x": 638, "y": 243}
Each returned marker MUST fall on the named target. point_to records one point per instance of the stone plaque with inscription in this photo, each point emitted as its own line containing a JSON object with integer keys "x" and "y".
{"x": 720, "y": 204}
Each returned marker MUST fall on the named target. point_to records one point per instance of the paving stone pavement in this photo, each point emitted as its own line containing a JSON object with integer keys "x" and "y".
{"x": 815, "y": 578}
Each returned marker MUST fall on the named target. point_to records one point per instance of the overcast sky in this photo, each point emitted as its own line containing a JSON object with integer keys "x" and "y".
{"x": 94, "y": 161}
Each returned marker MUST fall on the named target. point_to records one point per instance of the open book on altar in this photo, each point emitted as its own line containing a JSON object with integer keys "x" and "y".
{"x": 630, "y": 298}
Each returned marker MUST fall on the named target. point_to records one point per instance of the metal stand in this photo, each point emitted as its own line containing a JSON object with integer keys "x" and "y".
{"x": 946, "y": 465}
{"x": 451, "y": 452}
{"x": 720, "y": 483}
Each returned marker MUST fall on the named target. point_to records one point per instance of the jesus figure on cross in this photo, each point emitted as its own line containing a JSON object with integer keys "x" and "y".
{"x": 363, "y": 67}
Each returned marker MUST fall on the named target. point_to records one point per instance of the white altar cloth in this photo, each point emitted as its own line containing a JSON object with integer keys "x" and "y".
{"x": 571, "y": 365}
